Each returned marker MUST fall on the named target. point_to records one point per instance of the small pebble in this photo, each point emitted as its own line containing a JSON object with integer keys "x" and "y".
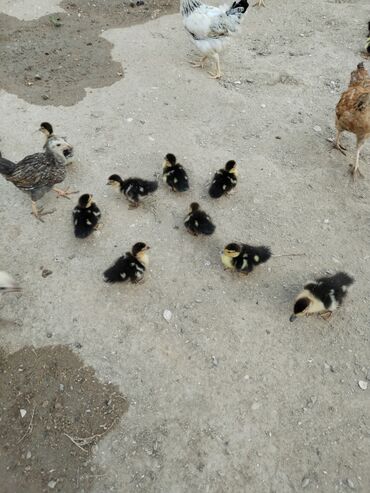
{"x": 362, "y": 384}
{"x": 52, "y": 484}
{"x": 28, "y": 455}
{"x": 45, "y": 97}
{"x": 49, "y": 335}
{"x": 46, "y": 272}
{"x": 305, "y": 482}
{"x": 78, "y": 345}
{"x": 317, "y": 128}
{"x": 23, "y": 412}
{"x": 350, "y": 483}
{"x": 61, "y": 387}
{"x": 214, "y": 361}
{"x": 167, "y": 315}
{"x": 38, "y": 77}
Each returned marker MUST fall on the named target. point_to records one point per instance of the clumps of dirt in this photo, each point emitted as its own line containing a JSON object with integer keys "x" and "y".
{"x": 53, "y": 412}
{"x": 70, "y": 54}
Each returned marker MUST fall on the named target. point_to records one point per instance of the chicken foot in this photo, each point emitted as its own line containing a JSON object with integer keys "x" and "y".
{"x": 38, "y": 213}
{"x": 218, "y": 73}
{"x": 199, "y": 63}
{"x": 63, "y": 193}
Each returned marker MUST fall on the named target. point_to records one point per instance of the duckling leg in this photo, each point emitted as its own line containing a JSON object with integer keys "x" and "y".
{"x": 260, "y": 3}
{"x": 356, "y": 168}
{"x": 218, "y": 73}
{"x": 39, "y": 212}
{"x": 64, "y": 193}
{"x": 326, "y": 315}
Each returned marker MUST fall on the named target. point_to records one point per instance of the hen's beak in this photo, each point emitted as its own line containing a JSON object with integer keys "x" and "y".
{"x": 292, "y": 317}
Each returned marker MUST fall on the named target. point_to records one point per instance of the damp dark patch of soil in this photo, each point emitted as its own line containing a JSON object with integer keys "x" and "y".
{"x": 51, "y": 60}
{"x": 53, "y": 412}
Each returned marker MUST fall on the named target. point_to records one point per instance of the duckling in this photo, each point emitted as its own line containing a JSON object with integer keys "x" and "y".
{"x": 86, "y": 216}
{"x": 367, "y": 44}
{"x": 174, "y": 174}
{"x": 7, "y": 283}
{"x": 133, "y": 188}
{"x": 322, "y": 296}
{"x": 47, "y": 129}
{"x": 244, "y": 258}
{"x": 130, "y": 266}
{"x": 198, "y": 222}
{"x": 224, "y": 180}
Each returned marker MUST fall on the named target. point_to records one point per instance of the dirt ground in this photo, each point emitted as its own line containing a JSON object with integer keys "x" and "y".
{"x": 228, "y": 396}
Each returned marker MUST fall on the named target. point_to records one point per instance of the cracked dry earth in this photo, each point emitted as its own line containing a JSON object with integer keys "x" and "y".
{"x": 227, "y": 396}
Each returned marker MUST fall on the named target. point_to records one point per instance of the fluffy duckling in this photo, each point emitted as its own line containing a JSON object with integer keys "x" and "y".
{"x": 174, "y": 174}
{"x": 130, "y": 266}
{"x": 7, "y": 283}
{"x": 322, "y": 296}
{"x": 198, "y": 222}
{"x": 47, "y": 129}
{"x": 86, "y": 216}
{"x": 244, "y": 258}
{"x": 133, "y": 188}
{"x": 224, "y": 180}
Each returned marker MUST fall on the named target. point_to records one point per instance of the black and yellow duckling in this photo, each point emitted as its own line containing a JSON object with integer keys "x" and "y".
{"x": 224, "y": 180}
{"x": 129, "y": 267}
{"x": 198, "y": 222}
{"x": 86, "y": 216}
{"x": 174, "y": 174}
{"x": 244, "y": 258}
{"x": 133, "y": 188}
{"x": 367, "y": 44}
{"x": 47, "y": 129}
{"x": 322, "y": 296}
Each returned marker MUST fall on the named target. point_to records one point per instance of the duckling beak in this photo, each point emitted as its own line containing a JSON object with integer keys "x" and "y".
{"x": 292, "y": 317}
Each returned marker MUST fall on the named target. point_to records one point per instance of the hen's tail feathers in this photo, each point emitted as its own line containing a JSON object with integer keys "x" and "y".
{"x": 240, "y": 7}
{"x": 261, "y": 255}
{"x": 151, "y": 186}
{"x": 6, "y": 167}
{"x": 363, "y": 102}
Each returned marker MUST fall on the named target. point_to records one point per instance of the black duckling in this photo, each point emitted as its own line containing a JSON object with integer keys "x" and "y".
{"x": 244, "y": 258}
{"x": 129, "y": 267}
{"x": 198, "y": 222}
{"x": 86, "y": 216}
{"x": 133, "y": 188}
{"x": 38, "y": 173}
{"x": 224, "y": 180}
{"x": 174, "y": 174}
{"x": 322, "y": 296}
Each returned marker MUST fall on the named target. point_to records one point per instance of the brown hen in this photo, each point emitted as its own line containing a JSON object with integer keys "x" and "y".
{"x": 353, "y": 112}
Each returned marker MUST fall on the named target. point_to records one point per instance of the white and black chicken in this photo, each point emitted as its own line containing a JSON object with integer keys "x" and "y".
{"x": 211, "y": 27}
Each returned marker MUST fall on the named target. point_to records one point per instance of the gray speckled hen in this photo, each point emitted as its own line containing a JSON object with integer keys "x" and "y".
{"x": 38, "y": 173}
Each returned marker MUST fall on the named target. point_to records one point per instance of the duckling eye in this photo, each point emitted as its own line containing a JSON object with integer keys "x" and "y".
{"x": 58, "y": 145}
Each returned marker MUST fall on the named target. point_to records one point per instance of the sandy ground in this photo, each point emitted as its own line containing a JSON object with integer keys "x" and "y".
{"x": 228, "y": 396}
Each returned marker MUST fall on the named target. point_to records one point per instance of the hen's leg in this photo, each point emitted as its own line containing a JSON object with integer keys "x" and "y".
{"x": 64, "y": 193}
{"x": 39, "y": 212}
{"x": 356, "y": 168}
{"x": 199, "y": 63}
{"x": 217, "y": 74}
{"x": 337, "y": 144}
